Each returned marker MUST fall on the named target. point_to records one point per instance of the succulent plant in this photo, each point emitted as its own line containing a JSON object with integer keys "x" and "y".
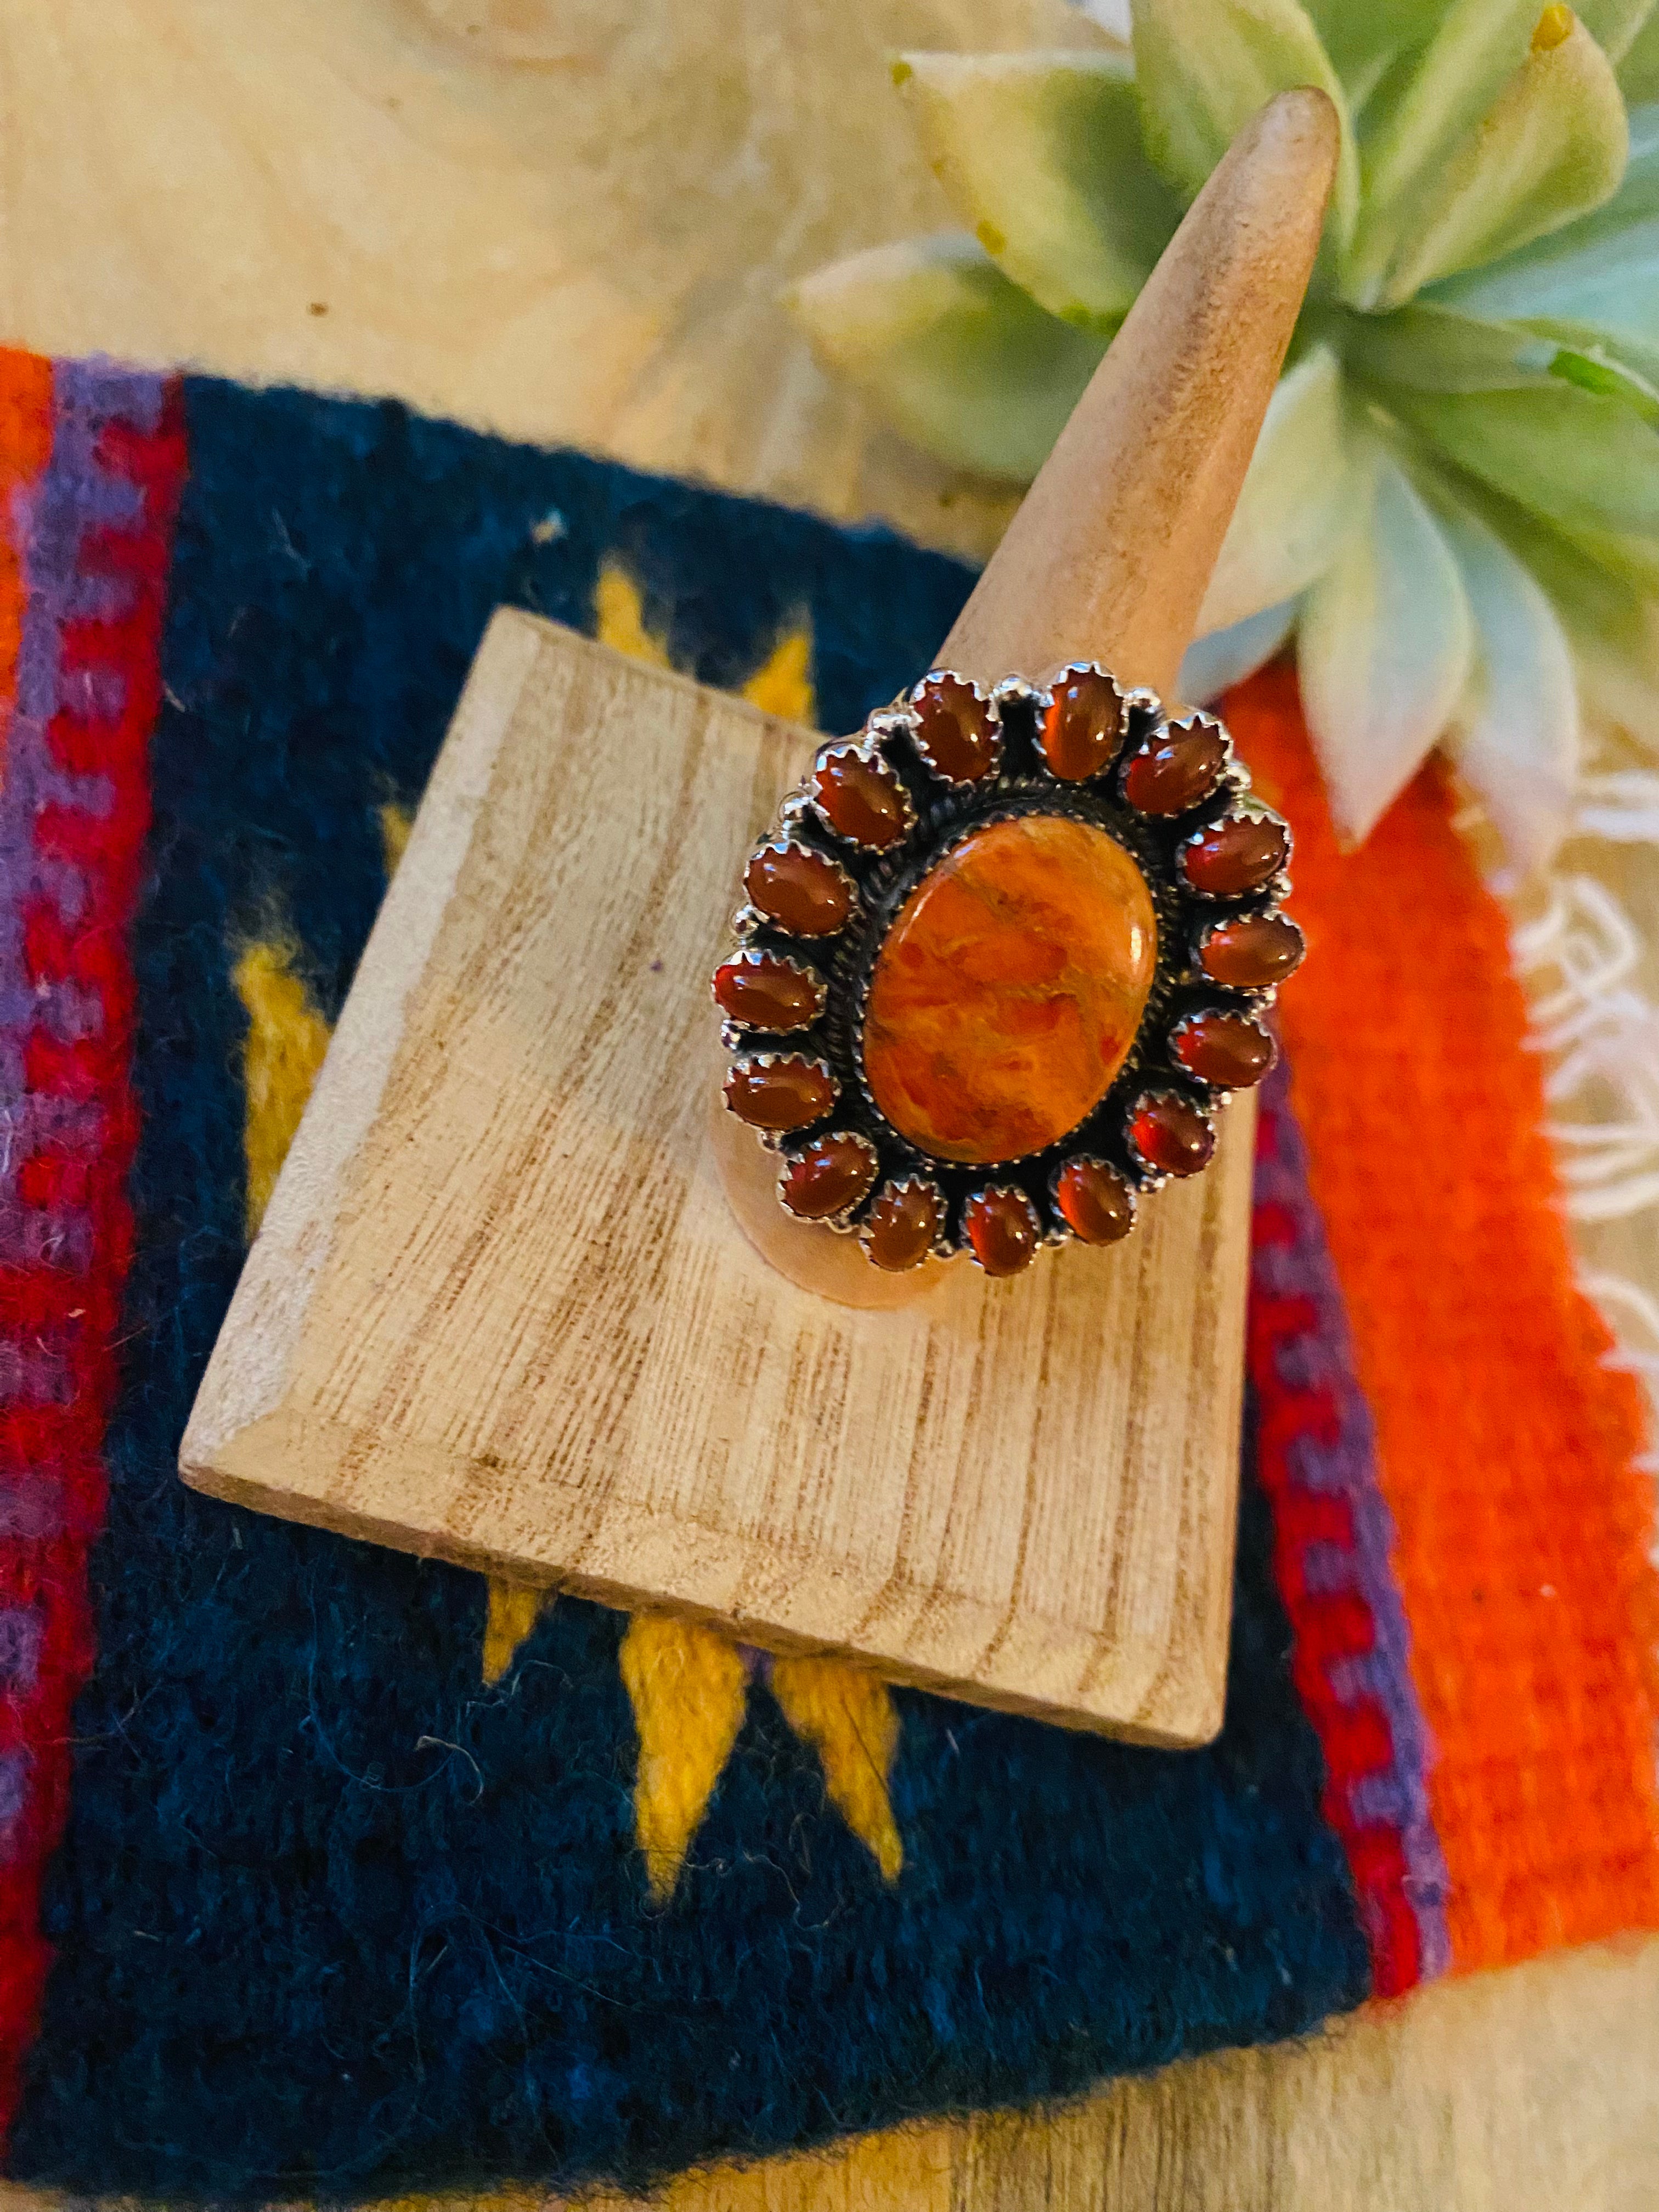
{"x": 1454, "y": 504}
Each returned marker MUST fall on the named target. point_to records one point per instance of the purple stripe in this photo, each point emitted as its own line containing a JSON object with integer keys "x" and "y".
{"x": 1344, "y": 1465}
{"x": 32, "y": 1509}
{"x": 14, "y": 1790}
{"x": 33, "y": 1374}
{"x": 74, "y": 496}
{"x": 50, "y": 523}
{"x": 20, "y": 1631}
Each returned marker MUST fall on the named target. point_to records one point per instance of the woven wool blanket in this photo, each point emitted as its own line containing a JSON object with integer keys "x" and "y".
{"x": 325, "y": 1869}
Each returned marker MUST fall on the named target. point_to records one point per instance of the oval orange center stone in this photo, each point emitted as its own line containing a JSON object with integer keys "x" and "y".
{"x": 1008, "y": 992}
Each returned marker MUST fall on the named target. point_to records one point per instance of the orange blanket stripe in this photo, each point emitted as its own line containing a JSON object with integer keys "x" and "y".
{"x": 1506, "y": 1445}
{"x": 25, "y": 443}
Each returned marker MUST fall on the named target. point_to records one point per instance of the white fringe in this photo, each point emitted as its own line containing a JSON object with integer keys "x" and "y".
{"x": 1600, "y": 1033}
{"x": 1601, "y": 1037}
{"x": 1622, "y": 806}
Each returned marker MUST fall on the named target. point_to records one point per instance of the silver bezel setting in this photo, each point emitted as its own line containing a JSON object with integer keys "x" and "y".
{"x": 1260, "y": 995}
{"x": 749, "y": 918}
{"x": 942, "y": 812}
{"x": 909, "y": 718}
{"x": 940, "y": 1248}
{"x": 1245, "y": 807}
{"x": 841, "y": 1222}
{"x": 732, "y": 1029}
{"x": 1153, "y": 1176}
{"x": 1221, "y": 1093}
{"x": 774, "y": 1140}
{"x": 867, "y": 756}
{"x": 1132, "y": 1191}
{"x": 983, "y": 1190}
{"x": 1148, "y": 702}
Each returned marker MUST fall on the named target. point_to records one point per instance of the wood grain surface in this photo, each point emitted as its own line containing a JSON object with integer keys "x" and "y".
{"x": 1529, "y": 2091}
{"x": 528, "y": 1335}
{"x": 564, "y": 220}
{"x": 500, "y": 1311}
{"x": 589, "y": 251}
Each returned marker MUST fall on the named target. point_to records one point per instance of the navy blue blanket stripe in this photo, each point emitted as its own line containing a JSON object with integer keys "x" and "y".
{"x": 332, "y": 1918}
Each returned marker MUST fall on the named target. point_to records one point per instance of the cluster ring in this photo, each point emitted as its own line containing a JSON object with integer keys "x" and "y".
{"x": 1001, "y": 959}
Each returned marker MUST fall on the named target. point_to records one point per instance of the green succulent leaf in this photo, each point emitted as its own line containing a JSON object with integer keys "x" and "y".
{"x": 1454, "y": 500}
{"x": 1384, "y": 647}
{"x": 1413, "y": 133}
{"x": 1615, "y": 25}
{"x": 1611, "y": 621}
{"x": 956, "y": 357}
{"x": 1601, "y": 272}
{"x": 1615, "y": 370}
{"x": 1366, "y": 39}
{"x": 1040, "y": 156}
{"x": 1430, "y": 348}
{"x": 1290, "y": 512}
{"x": 1517, "y": 728}
{"x": 1587, "y": 462}
{"x": 1551, "y": 146}
{"x": 1205, "y": 67}
{"x": 1639, "y": 71}
{"x": 1601, "y": 607}
{"x": 1225, "y": 657}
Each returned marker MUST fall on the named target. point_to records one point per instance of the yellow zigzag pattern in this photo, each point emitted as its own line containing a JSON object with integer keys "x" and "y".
{"x": 688, "y": 1686}
{"x": 689, "y": 1690}
{"x": 846, "y": 1714}
{"x": 514, "y": 1611}
{"x": 782, "y": 684}
{"x": 396, "y": 823}
{"x": 287, "y": 1037}
{"x": 688, "y": 1683}
{"x": 619, "y": 619}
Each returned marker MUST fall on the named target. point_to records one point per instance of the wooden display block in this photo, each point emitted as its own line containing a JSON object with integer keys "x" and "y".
{"x": 509, "y": 1304}
{"x": 500, "y": 1311}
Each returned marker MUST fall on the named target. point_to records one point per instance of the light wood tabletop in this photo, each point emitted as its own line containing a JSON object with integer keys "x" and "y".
{"x": 568, "y": 220}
